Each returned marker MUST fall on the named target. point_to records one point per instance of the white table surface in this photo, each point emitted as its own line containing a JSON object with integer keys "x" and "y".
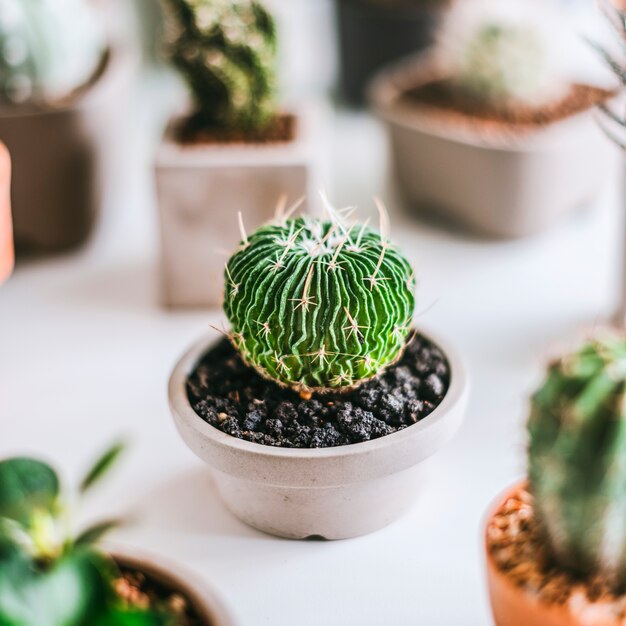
{"x": 86, "y": 350}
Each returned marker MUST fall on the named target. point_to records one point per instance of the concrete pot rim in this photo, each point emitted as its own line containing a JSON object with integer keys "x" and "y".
{"x": 178, "y": 576}
{"x": 118, "y": 61}
{"x": 182, "y": 410}
{"x": 414, "y": 71}
{"x": 399, "y": 11}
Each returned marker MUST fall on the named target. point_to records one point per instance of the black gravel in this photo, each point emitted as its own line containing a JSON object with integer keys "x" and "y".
{"x": 234, "y": 398}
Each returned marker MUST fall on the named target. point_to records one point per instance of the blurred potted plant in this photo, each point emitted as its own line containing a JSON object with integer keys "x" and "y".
{"x": 555, "y": 545}
{"x": 50, "y": 577}
{"x": 374, "y": 33}
{"x": 489, "y": 130}
{"x": 317, "y": 407}
{"x": 60, "y": 87}
{"x": 6, "y": 230}
{"x": 613, "y": 120}
{"x": 234, "y": 151}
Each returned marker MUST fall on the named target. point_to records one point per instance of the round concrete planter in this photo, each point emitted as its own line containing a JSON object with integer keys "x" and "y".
{"x": 515, "y": 606}
{"x": 6, "y": 230}
{"x": 64, "y": 158}
{"x": 502, "y": 185}
{"x": 176, "y": 577}
{"x": 374, "y": 34}
{"x": 333, "y": 493}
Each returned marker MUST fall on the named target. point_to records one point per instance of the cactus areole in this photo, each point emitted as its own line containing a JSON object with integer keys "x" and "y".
{"x": 318, "y": 305}
{"x": 577, "y": 460}
{"x": 226, "y": 52}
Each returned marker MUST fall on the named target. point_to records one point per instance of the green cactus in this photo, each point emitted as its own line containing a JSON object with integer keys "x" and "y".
{"x": 317, "y": 304}
{"x": 226, "y": 51}
{"x": 47, "y": 49}
{"x": 577, "y": 459}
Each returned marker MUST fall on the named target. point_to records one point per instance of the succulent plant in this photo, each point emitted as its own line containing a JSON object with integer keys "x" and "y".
{"x": 47, "y": 576}
{"x": 577, "y": 459}
{"x": 226, "y": 51}
{"x": 318, "y": 304}
{"x": 48, "y": 49}
{"x": 501, "y": 54}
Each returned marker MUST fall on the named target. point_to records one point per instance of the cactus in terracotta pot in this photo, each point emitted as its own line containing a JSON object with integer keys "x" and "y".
{"x": 48, "y": 49}
{"x": 577, "y": 460}
{"x": 319, "y": 304}
{"x": 226, "y": 52}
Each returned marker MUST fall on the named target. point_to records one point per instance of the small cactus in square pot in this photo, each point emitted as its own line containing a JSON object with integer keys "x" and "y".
{"x": 320, "y": 353}
{"x": 557, "y": 545}
{"x": 232, "y": 144}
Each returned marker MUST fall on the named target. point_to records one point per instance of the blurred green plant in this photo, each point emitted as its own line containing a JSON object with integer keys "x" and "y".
{"x": 48, "y": 577}
{"x": 226, "y": 52}
{"x": 47, "y": 49}
{"x": 577, "y": 459}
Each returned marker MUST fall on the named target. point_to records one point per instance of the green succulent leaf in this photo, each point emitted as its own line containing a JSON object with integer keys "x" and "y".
{"x": 26, "y": 485}
{"x": 95, "y": 533}
{"x": 73, "y": 589}
{"x": 102, "y": 466}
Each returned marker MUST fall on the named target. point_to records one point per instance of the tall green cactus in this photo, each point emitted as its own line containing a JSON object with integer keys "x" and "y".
{"x": 226, "y": 51}
{"x": 577, "y": 459}
{"x": 47, "y": 49}
{"x": 318, "y": 304}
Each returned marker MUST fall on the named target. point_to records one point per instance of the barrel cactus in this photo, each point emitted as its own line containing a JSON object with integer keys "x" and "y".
{"x": 500, "y": 53}
{"x": 577, "y": 459}
{"x": 48, "y": 49}
{"x": 317, "y": 304}
{"x": 226, "y": 51}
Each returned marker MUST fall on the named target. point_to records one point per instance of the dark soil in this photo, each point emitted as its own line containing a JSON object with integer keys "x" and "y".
{"x": 234, "y": 398}
{"x": 447, "y": 100}
{"x": 192, "y": 130}
{"x": 139, "y": 590}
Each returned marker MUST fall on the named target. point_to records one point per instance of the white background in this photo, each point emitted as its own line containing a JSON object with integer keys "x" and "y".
{"x": 86, "y": 351}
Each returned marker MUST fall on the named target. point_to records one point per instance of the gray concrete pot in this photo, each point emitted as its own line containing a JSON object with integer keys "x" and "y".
{"x": 334, "y": 493}
{"x": 503, "y": 186}
{"x": 201, "y": 189}
{"x": 172, "y": 575}
{"x": 63, "y": 157}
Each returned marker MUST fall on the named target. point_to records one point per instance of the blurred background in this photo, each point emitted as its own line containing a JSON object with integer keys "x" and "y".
{"x": 517, "y": 238}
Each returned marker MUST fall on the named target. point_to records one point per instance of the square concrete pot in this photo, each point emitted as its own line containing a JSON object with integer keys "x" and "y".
{"x": 499, "y": 184}
{"x": 332, "y": 493}
{"x": 63, "y": 156}
{"x": 202, "y": 188}
{"x": 6, "y": 231}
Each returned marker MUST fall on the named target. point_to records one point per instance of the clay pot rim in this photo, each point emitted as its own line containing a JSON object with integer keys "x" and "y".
{"x": 116, "y": 61}
{"x": 203, "y": 596}
{"x": 181, "y": 409}
{"x": 390, "y": 83}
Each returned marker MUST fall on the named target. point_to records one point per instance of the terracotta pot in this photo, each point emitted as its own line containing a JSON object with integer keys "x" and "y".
{"x": 374, "y": 34}
{"x": 201, "y": 189}
{"x": 172, "y": 575}
{"x": 514, "y": 606}
{"x": 502, "y": 186}
{"x": 6, "y": 231}
{"x": 62, "y": 158}
{"x": 333, "y": 493}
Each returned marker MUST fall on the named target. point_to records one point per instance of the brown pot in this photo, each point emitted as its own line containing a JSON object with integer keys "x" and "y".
{"x": 6, "y": 230}
{"x": 62, "y": 156}
{"x": 202, "y": 597}
{"x": 514, "y": 606}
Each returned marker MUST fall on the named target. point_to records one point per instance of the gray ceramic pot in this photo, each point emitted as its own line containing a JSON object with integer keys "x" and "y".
{"x": 333, "y": 493}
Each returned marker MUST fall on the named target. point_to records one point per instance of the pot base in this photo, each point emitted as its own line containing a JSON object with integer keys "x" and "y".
{"x": 328, "y": 513}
